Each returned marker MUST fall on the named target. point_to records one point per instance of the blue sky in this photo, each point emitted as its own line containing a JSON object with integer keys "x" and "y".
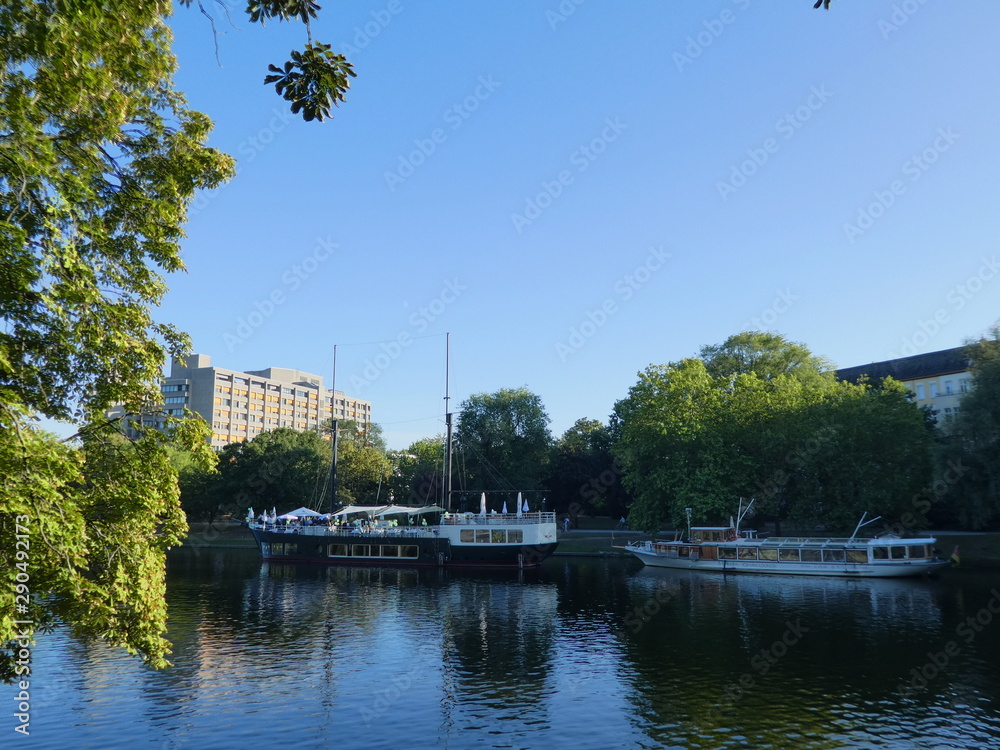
{"x": 578, "y": 190}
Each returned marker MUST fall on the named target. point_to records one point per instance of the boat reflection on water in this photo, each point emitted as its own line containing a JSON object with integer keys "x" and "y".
{"x": 717, "y": 650}
{"x": 481, "y": 641}
{"x": 892, "y": 603}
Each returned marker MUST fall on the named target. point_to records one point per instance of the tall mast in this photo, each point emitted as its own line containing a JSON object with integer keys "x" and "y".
{"x": 447, "y": 423}
{"x": 333, "y": 425}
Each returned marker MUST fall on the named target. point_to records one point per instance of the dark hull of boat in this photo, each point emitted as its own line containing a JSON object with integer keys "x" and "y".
{"x": 401, "y": 551}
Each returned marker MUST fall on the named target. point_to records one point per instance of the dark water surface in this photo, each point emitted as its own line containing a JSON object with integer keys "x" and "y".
{"x": 585, "y": 653}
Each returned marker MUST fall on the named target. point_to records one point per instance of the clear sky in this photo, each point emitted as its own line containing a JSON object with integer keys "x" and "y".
{"x": 578, "y": 189}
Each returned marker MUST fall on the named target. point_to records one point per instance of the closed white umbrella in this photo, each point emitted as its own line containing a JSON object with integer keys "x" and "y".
{"x": 519, "y": 505}
{"x": 482, "y": 505}
{"x": 504, "y": 509}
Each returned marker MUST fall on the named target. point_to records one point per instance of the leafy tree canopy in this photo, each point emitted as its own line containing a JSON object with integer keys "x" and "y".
{"x": 315, "y": 78}
{"x": 761, "y": 419}
{"x": 418, "y": 472}
{"x": 582, "y": 475}
{"x": 766, "y": 355}
{"x": 503, "y": 439}
{"x": 969, "y": 457}
{"x": 99, "y": 161}
{"x": 281, "y": 468}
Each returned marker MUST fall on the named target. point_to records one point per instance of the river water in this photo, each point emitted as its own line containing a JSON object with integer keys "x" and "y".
{"x": 584, "y": 653}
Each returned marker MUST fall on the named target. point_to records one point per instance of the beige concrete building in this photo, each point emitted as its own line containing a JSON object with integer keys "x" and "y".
{"x": 240, "y": 405}
{"x": 936, "y": 379}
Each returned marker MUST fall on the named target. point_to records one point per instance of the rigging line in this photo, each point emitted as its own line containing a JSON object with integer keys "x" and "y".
{"x": 393, "y": 341}
{"x": 407, "y": 421}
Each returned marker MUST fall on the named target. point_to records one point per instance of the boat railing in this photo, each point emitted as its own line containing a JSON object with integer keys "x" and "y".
{"x": 496, "y": 519}
{"x": 803, "y": 541}
{"x": 348, "y": 531}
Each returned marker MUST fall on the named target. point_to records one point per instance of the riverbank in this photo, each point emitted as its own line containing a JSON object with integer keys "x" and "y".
{"x": 599, "y": 538}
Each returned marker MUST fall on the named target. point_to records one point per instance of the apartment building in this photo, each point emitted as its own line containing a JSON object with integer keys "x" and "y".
{"x": 936, "y": 379}
{"x": 240, "y": 405}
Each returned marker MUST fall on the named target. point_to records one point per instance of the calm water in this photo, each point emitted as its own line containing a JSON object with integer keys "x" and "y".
{"x": 585, "y": 653}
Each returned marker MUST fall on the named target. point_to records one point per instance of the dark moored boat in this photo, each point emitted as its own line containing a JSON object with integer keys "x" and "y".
{"x": 458, "y": 540}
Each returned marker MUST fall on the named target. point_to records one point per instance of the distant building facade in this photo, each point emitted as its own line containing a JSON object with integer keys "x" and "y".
{"x": 936, "y": 379}
{"x": 240, "y": 405}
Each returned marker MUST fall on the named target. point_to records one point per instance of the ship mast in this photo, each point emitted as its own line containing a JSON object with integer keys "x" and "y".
{"x": 333, "y": 425}
{"x": 447, "y": 426}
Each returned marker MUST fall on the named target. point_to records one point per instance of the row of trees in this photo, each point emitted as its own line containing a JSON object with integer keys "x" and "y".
{"x": 754, "y": 417}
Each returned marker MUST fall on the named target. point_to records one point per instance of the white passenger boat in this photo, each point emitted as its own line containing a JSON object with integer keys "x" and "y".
{"x": 725, "y": 549}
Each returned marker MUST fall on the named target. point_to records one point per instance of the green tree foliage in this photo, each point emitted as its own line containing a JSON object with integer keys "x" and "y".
{"x": 869, "y": 451}
{"x": 583, "y": 476}
{"x": 969, "y": 457}
{"x": 746, "y": 423}
{"x": 418, "y": 472}
{"x": 766, "y": 355}
{"x": 502, "y": 440}
{"x": 85, "y": 530}
{"x": 281, "y": 468}
{"x": 362, "y": 474}
{"x": 315, "y": 78}
{"x": 99, "y": 160}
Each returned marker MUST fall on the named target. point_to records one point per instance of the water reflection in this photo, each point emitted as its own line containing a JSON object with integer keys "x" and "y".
{"x": 778, "y": 662}
{"x": 580, "y": 654}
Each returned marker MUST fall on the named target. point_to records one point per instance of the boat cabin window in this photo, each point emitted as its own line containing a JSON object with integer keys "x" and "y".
{"x": 880, "y": 553}
{"x": 917, "y": 551}
{"x": 727, "y": 553}
{"x": 788, "y": 555}
{"x": 833, "y": 555}
{"x": 857, "y": 556}
{"x": 768, "y": 553}
{"x": 712, "y": 535}
{"x": 494, "y": 536}
{"x": 811, "y": 555}
{"x": 748, "y": 553}
{"x": 898, "y": 552}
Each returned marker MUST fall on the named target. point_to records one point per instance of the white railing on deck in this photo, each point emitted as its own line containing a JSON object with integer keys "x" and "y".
{"x": 497, "y": 519}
